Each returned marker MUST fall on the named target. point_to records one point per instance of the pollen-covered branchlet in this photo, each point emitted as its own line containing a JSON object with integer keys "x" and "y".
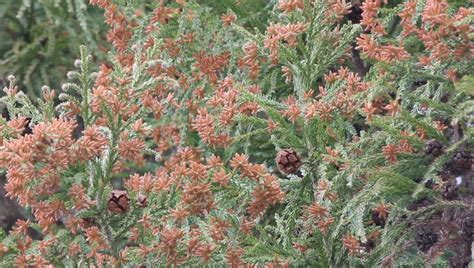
{"x": 266, "y": 194}
{"x": 78, "y": 195}
{"x": 251, "y": 59}
{"x": 391, "y": 151}
{"x": 278, "y": 32}
{"x": 198, "y": 198}
{"x": 380, "y": 214}
{"x": 118, "y": 202}
{"x": 352, "y": 244}
{"x": 228, "y": 18}
{"x": 234, "y": 257}
{"x": 290, "y": 5}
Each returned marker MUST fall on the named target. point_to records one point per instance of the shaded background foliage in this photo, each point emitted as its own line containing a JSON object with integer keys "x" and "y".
{"x": 38, "y": 39}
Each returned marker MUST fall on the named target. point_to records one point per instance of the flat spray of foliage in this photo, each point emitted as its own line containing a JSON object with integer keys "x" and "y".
{"x": 252, "y": 133}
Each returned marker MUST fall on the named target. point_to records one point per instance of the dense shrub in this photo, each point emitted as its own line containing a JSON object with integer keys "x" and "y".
{"x": 334, "y": 135}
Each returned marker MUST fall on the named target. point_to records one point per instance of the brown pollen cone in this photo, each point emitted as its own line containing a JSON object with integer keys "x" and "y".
{"x": 119, "y": 202}
{"x": 288, "y": 161}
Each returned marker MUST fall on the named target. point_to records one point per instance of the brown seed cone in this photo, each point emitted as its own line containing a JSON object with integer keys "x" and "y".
{"x": 355, "y": 15}
{"x": 434, "y": 148}
{"x": 426, "y": 237}
{"x": 142, "y": 200}
{"x": 461, "y": 256}
{"x": 461, "y": 162}
{"x": 467, "y": 225}
{"x": 450, "y": 190}
{"x": 119, "y": 202}
{"x": 421, "y": 203}
{"x": 87, "y": 222}
{"x": 288, "y": 161}
{"x": 377, "y": 220}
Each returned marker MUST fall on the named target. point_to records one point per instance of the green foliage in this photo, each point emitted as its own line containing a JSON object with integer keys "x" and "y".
{"x": 184, "y": 124}
{"x": 38, "y": 39}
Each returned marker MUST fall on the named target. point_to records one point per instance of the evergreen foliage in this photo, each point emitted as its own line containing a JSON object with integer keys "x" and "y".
{"x": 38, "y": 38}
{"x": 372, "y": 102}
